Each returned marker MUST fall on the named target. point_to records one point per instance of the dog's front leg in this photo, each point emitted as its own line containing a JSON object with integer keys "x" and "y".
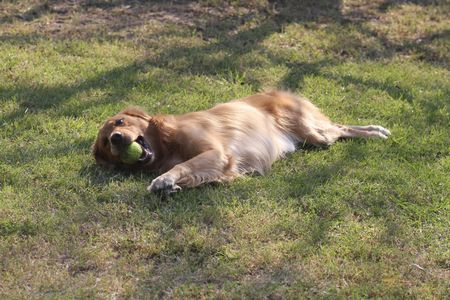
{"x": 206, "y": 167}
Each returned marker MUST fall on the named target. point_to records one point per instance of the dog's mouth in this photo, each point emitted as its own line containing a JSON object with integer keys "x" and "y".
{"x": 147, "y": 153}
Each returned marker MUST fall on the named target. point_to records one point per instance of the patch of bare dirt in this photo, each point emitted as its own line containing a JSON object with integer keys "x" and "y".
{"x": 86, "y": 18}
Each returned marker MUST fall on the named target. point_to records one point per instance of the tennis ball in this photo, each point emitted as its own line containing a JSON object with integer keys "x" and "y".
{"x": 131, "y": 153}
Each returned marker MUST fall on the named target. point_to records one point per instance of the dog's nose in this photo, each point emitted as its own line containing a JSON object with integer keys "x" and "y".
{"x": 116, "y": 138}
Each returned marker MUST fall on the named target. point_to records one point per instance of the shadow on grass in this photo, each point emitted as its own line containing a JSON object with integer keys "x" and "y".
{"x": 98, "y": 176}
{"x": 191, "y": 262}
{"x": 25, "y": 154}
{"x": 42, "y": 98}
{"x": 201, "y": 61}
{"x": 201, "y": 208}
{"x": 206, "y": 59}
{"x": 230, "y": 40}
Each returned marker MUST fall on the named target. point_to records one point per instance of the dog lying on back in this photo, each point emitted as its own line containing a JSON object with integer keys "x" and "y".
{"x": 242, "y": 136}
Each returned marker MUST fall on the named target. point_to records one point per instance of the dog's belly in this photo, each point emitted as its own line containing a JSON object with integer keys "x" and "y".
{"x": 256, "y": 153}
{"x": 253, "y": 138}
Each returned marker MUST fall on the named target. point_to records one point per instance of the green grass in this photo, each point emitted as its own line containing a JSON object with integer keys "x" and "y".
{"x": 363, "y": 219}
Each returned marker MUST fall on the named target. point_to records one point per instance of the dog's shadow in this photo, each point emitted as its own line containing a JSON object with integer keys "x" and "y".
{"x": 100, "y": 178}
{"x": 130, "y": 186}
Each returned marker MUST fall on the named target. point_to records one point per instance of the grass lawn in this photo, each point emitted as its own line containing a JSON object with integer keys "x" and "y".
{"x": 363, "y": 219}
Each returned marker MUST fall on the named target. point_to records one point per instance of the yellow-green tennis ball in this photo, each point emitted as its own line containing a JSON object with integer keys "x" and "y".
{"x": 131, "y": 153}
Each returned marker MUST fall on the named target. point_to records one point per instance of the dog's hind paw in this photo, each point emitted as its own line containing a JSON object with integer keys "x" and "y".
{"x": 382, "y": 130}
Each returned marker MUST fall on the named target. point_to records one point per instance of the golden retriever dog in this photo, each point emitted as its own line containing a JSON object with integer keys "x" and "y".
{"x": 242, "y": 136}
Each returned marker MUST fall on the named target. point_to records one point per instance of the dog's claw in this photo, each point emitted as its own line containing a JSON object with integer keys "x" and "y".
{"x": 165, "y": 183}
{"x": 172, "y": 190}
{"x": 383, "y": 130}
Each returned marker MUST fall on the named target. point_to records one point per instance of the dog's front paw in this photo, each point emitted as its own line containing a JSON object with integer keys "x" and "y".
{"x": 164, "y": 183}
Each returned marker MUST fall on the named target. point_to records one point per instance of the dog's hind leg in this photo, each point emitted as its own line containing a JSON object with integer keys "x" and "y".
{"x": 349, "y": 131}
{"x": 310, "y": 125}
{"x": 302, "y": 120}
{"x": 322, "y": 133}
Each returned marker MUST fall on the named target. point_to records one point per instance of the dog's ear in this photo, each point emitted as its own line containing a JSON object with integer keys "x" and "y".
{"x": 135, "y": 112}
{"x": 100, "y": 157}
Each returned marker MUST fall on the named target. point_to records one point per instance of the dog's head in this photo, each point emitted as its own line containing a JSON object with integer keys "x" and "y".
{"x": 117, "y": 133}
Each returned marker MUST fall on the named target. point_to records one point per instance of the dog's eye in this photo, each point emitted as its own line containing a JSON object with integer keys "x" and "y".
{"x": 119, "y": 122}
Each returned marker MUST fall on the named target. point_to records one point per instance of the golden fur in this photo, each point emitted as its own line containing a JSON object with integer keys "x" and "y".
{"x": 242, "y": 136}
